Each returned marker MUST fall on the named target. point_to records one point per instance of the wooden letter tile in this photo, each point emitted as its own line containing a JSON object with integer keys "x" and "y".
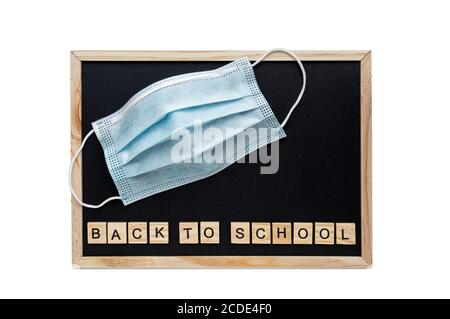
{"x": 117, "y": 233}
{"x": 188, "y": 232}
{"x": 261, "y": 233}
{"x": 281, "y": 233}
{"x": 96, "y": 233}
{"x": 240, "y": 233}
{"x": 209, "y": 233}
{"x": 324, "y": 233}
{"x": 345, "y": 234}
{"x": 137, "y": 232}
{"x": 303, "y": 233}
{"x": 159, "y": 232}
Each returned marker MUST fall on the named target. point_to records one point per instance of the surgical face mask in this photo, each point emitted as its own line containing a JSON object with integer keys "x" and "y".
{"x": 140, "y": 143}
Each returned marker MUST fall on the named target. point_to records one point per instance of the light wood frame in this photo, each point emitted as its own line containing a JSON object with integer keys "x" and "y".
{"x": 363, "y": 261}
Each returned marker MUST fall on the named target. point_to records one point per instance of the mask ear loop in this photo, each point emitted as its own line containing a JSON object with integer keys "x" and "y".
{"x": 70, "y": 177}
{"x": 303, "y": 74}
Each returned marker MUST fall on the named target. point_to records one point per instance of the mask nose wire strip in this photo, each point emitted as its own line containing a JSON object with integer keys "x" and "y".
{"x": 303, "y": 74}
{"x": 70, "y": 177}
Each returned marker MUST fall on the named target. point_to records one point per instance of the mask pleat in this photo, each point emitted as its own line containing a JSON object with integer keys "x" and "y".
{"x": 182, "y": 119}
{"x": 161, "y": 155}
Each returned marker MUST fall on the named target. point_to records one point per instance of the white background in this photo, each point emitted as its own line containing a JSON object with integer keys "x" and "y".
{"x": 411, "y": 156}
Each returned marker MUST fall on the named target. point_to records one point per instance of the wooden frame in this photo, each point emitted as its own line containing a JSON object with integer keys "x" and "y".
{"x": 364, "y": 261}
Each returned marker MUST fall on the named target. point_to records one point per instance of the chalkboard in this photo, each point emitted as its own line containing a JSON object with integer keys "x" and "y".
{"x": 314, "y": 212}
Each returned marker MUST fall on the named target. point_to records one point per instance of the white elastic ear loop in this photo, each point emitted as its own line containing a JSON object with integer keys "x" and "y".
{"x": 303, "y": 73}
{"x": 70, "y": 177}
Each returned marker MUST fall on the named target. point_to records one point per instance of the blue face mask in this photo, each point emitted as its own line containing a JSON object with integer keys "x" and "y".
{"x": 152, "y": 144}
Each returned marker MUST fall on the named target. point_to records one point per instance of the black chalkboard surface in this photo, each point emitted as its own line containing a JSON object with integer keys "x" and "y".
{"x": 319, "y": 177}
